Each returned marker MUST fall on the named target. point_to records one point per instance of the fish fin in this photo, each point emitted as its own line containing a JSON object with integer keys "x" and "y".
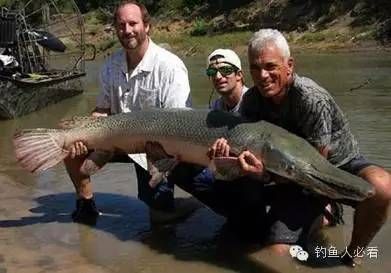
{"x": 160, "y": 164}
{"x": 77, "y": 121}
{"x": 95, "y": 161}
{"x": 227, "y": 168}
{"x": 39, "y": 149}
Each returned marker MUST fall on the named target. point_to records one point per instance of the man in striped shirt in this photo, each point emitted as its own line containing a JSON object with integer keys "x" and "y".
{"x": 301, "y": 106}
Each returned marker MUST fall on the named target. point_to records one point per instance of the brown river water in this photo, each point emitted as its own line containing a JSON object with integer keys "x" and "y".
{"x": 37, "y": 234}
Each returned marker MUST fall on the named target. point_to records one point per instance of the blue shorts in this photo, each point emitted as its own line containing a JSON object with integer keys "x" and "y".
{"x": 295, "y": 211}
{"x": 355, "y": 165}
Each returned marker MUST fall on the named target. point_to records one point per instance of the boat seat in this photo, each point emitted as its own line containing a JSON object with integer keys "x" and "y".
{"x": 7, "y": 31}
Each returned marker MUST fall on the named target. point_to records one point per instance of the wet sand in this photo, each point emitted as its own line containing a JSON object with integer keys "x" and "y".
{"x": 37, "y": 234}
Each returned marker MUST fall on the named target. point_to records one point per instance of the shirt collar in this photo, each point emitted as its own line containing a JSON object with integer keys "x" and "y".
{"x": 146, "y": 64}
{"x": 237, "y": 106}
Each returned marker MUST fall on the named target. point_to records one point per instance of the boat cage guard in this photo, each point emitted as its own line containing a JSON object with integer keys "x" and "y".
{"x": 41, "y": 56}
{"x": 7, "y": 31}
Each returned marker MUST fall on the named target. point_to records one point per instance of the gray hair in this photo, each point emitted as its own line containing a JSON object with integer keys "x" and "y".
{"x": 267, "y": 35}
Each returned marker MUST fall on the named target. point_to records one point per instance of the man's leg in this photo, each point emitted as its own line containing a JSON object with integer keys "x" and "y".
{"x": 371, "y": 214}
{"x": 86, "y": 211}
{"x": 239, "y": 201}
{"x": 291, "y": 217}
{"x": 160, "y": 197}
{"x": 163, "y": 207}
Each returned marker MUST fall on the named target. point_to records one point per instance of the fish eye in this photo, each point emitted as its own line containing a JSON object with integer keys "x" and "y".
{"x": 289, "y": 168}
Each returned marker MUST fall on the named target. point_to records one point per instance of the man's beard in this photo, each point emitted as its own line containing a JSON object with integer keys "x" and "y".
{"x": 134, "y": 42}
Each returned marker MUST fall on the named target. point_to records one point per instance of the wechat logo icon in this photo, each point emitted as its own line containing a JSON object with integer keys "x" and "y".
{"x": 297, "y": 252}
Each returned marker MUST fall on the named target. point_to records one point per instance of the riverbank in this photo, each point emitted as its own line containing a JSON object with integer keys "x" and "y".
{"x": 192, "y": 29}
{"x": 176, "y": 36}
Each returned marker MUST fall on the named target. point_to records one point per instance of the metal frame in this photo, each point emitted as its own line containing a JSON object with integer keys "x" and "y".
{"x": 33, "y": 58}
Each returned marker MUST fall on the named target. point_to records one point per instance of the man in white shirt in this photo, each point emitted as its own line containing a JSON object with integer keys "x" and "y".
{"x": 139, "y": 76}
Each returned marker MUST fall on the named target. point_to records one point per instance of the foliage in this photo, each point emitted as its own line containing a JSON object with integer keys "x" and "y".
{"x": 192, "y": 3}
{"x": 96, "y": 17}
{"x": 192, "y": 45}
{"x": 107, "y": 44}
{"x": 5, "y": 3}
{"x": 200, "y": 27}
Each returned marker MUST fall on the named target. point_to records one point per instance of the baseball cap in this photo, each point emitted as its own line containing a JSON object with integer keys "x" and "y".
{"x": 227, "y": 56}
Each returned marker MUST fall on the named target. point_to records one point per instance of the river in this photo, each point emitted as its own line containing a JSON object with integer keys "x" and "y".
{"x": 37, "y": 234}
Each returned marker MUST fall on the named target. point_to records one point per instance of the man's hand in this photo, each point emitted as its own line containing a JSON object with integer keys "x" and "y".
{"x": 250, "y": 164}
{"x": 247, "y": 161}
{"x": 78, "y": 149}
{"x": 219, "y": 149}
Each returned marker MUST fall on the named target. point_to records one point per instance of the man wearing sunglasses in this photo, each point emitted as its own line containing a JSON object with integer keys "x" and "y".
{"x": 224, "y": 69}
{"x": 240, "y": 200}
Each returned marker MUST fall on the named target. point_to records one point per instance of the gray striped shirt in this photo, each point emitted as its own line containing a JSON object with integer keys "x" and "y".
{"x": 310, "y": 112}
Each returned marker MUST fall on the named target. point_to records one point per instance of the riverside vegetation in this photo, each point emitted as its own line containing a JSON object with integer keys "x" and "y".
{"x": 190, "y": 27}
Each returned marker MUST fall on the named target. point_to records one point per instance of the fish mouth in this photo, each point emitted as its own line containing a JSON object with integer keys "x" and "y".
{"x": 339, "y": 190}
{"x": 337, "y": 184}
{"x": 317, "y": 175}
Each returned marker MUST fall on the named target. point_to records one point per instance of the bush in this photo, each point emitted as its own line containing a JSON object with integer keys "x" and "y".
{"x": 200, "y": 27}
{"x": 5, "y": 3}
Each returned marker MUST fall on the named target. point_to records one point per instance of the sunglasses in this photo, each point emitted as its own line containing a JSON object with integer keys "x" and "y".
{"x": 224, "y": 70}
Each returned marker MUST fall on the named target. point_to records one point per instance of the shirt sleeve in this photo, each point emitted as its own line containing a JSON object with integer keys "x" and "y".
{"x": 103, "y": 98}
{"x": 318, "y": 124}
{"x": 176, "y": 90}
{"x": 250, "y": 107}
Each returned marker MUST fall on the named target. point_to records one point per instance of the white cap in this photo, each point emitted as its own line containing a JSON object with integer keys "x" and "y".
{"x": 227, "y": 56}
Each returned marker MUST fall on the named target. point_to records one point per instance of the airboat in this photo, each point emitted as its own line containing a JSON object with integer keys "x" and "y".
{"x": 42, "y": 55}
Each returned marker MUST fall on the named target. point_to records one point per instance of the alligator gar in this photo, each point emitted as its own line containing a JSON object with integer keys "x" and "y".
{"x": 187, "y": 135}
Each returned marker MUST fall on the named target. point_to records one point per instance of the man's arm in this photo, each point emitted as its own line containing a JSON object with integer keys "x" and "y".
{"x": 176, "y": 90}
{"x": 101, "y": 110}
{"x": 78, "y": 148}
{"x": 103, "y": 100}
{"x": 317, "y": 127}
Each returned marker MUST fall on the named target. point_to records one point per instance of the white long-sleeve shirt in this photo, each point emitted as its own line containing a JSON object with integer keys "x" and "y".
{"x": 159, "y": 80}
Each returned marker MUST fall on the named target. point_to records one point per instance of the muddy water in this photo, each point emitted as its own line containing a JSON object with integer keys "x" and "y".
{"x": 36, "y": 234}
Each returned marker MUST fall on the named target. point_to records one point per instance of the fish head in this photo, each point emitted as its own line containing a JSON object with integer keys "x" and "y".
{"x": 316, "y": 174}
{"x": 280, "y": 161}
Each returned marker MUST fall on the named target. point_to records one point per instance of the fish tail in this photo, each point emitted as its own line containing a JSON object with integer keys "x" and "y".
{"x": 39, "y": 149}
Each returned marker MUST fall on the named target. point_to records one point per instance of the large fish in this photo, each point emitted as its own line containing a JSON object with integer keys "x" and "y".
{"x": 186, "y": 135}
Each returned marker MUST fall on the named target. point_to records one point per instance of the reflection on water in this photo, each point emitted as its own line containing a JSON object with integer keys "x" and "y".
{"x": 35, "y": 228}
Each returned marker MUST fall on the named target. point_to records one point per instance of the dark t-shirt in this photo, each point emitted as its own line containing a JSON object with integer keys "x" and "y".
{"x": 308, "y": 111}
